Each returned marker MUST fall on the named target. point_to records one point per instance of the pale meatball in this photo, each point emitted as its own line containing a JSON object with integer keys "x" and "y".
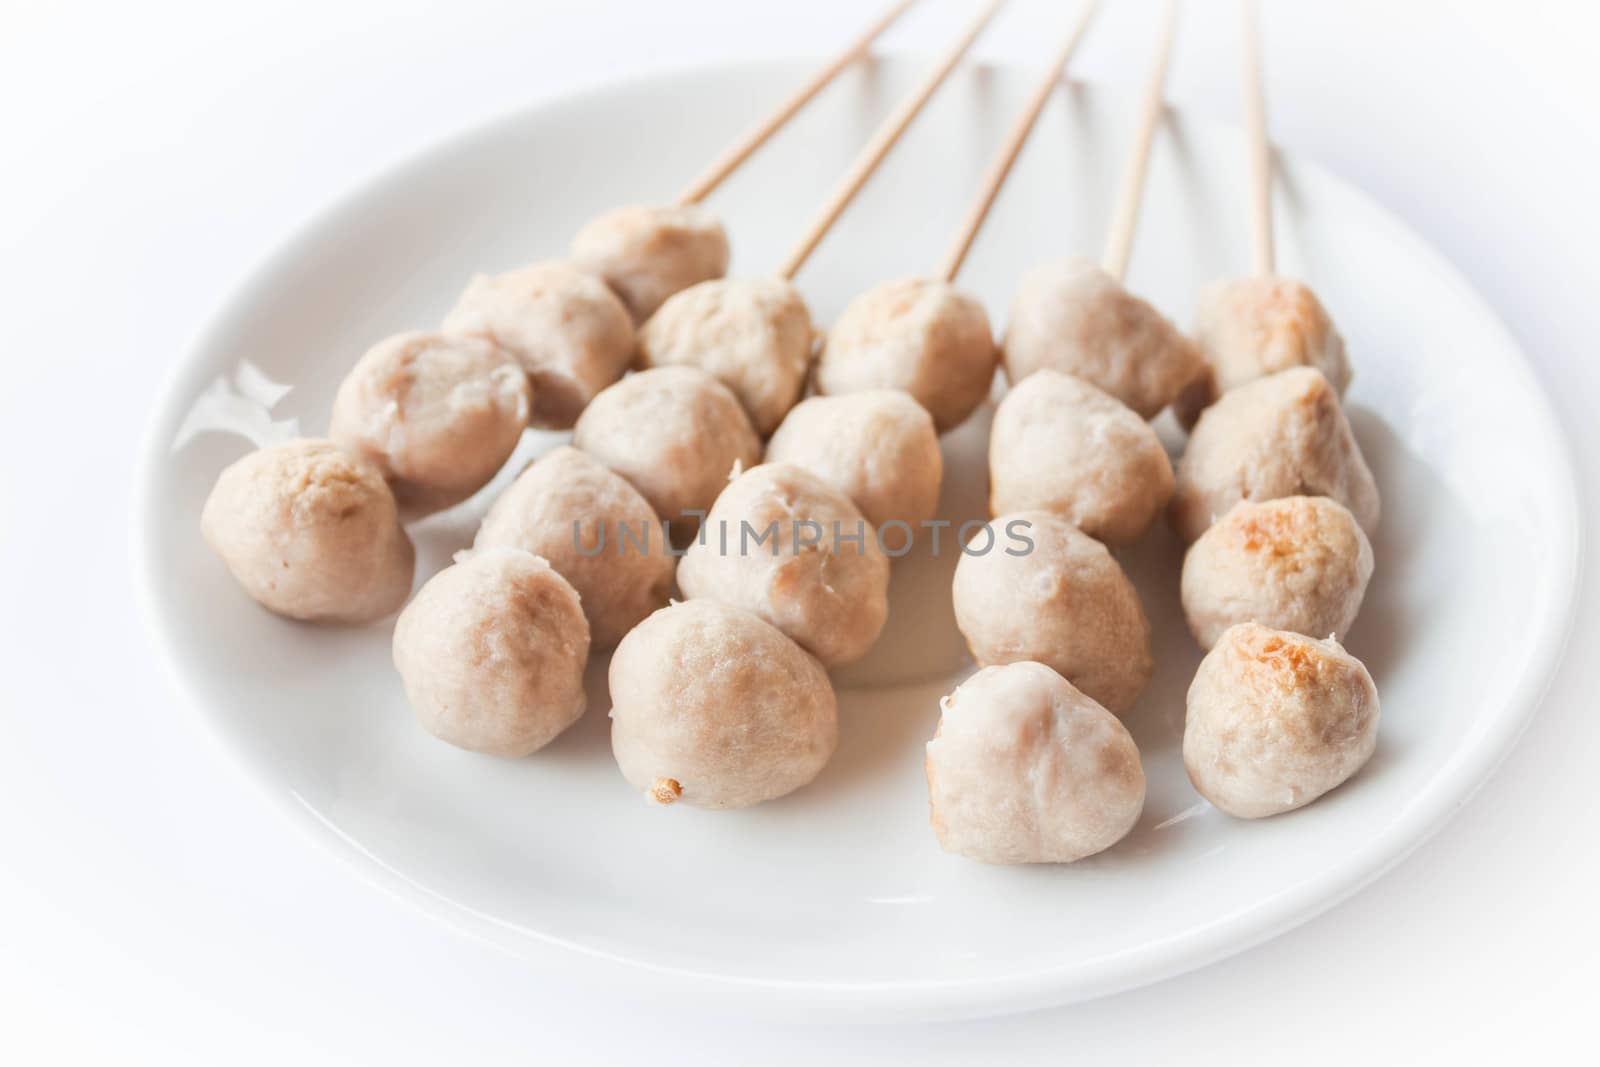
{"x": 595, "y": 529}
{"x": 1059, "y": 444}
{"x": 1073, "y": 317}
{"x": 1282, "y": 435}
{"x": 647, "y": 253}
{"x": 1275, "y": 720}
{"x": 1247, "y": 328}
{"x": 879, "y": 448}
{"x": 311, "y": 532}
{"x": 786, "y": 545}
{"x": 1299, "y": 563}
{"x": 570, "y": 333}
{"x": 1024, "y": 768}
{"x": 713, "y": 707}
{"x": 677, "y": 434}
{"x": 1045, "y": 591}
{"x": 924, "y": 337}
{"x": 492, "y": 652}
{"x": 754, "y": 336}
{"x": 438, "y": 414}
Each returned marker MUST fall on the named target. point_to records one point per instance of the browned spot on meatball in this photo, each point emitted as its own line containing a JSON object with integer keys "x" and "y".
{"x": 1294, "y": 657}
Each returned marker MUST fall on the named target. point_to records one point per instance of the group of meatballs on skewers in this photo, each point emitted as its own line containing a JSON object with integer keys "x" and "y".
{"x": 685, "y": 394}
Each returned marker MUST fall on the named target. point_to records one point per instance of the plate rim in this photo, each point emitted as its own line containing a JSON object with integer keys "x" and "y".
{"x": 1452, "y": 788}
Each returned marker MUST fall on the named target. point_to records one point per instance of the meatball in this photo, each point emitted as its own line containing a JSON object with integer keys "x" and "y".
{"x": 786, "y": 545}
{"x": 492, "y": 653}
{"x": 569, "y": 332}
{"x": 1045, "y": 591}
{"x": 1073, "y": 317}
{"x": 677, "y": 434}
{"x": 1026, "y": 769}
{"x": 1251, "y": 327}
{"x": 1282, "y": 435}
{"x": 1298, "y": 563}
{"x": 754, "y": 336}
{"x": 647, "y": 253}
{"x": 438, "y": 414}
{"x": 924, "y": 337}
{"x": 1059, "y": 444}
{"x": 311, "y": 532}
{"x": 714, "y": 707}
{"x": 595, "y": 530}
{"x": 1275, "y": 720}
{"x": 879, "y": 448}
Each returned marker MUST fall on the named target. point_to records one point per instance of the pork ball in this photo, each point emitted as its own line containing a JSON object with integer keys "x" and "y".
{"x": 1275, "y": 720}
{"x": 1032, "y": 586}
{"x": 924, "y": 337}
{"x": 595, "y": 529}
{"x": 1282, "y": 435}
{"x": 1073, "y": 317}
{"x": 311, "y": 532}
{"x": 714, "y": 707}
{"x": 646, "y": 253}
{"x": 753, "y": 335}
{"x": 786, "y": 545}
{"x": 1059, "y": 444}
{"x": 1026, "y": 769}
{"x": 1298, "y": 563}
{"x": 570, "y": 333}
{"x": 438, "y": 414}
{"x": 677, "y": 434}
{"x": 1248, "y": 328}
{"x": 878, "y": 447}
{"x": 492, "y": 652}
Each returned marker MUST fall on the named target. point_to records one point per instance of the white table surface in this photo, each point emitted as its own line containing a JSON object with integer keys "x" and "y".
{"x": 154, "y": 907}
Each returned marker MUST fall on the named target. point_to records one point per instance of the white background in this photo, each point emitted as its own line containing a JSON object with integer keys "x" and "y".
{"x": 155, "y": 907}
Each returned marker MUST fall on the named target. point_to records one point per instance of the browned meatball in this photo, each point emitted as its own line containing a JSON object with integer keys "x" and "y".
{"x": 311, "y": 532}
{"x": 492, "y": 652}
{"x": 716, "y": 708}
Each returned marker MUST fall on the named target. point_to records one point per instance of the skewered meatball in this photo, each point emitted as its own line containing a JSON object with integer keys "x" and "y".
{"x": 677, "y": 434}
{"x": 1073, "y": 317}
{"x": 1300, "y": 563}
{"x": 311, "y": 532}
{"x": 1064, "y": 602}
{"x": 1061, "y": 445}
{"x": 1275, "y": 720}
{"x": 817, "y": 573}
{"x": 647, "y": 253}
{"x": 714, "y": 707}
{"x": 924, "y": 337}
{"x": 492, "y": 652}
{"x": 595, "y": 530}
{"x": 1024, "y": 768}
{"x": 570, "y": 333}
{"x": 1282, "y": 435}
{"x": 753, "y": 335}
{"x": 437, "y": 414}
{"x": 1251, "y": 327}
{"x": 879, "y": 448}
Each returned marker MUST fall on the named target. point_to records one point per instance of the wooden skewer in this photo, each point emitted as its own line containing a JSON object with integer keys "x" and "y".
{"x": 1125, "y": 220}
{"x": 745, "y": 147}
{"x": 1000, "y": 167}
{"x": 883, "y": 140}
{"x": 1255, "y": 118}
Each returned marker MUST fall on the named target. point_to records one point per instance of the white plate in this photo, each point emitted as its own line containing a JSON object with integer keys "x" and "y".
{"x": 837, "y": 900}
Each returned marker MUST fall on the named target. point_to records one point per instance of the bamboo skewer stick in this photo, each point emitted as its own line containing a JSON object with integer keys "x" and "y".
{"x": 1255, "y": 117}
{"x": 883, "y": 140}
{"x": 746, "y": 146}
{"x": 1000, "y": 167}
{"x": 1125, "y": 219}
